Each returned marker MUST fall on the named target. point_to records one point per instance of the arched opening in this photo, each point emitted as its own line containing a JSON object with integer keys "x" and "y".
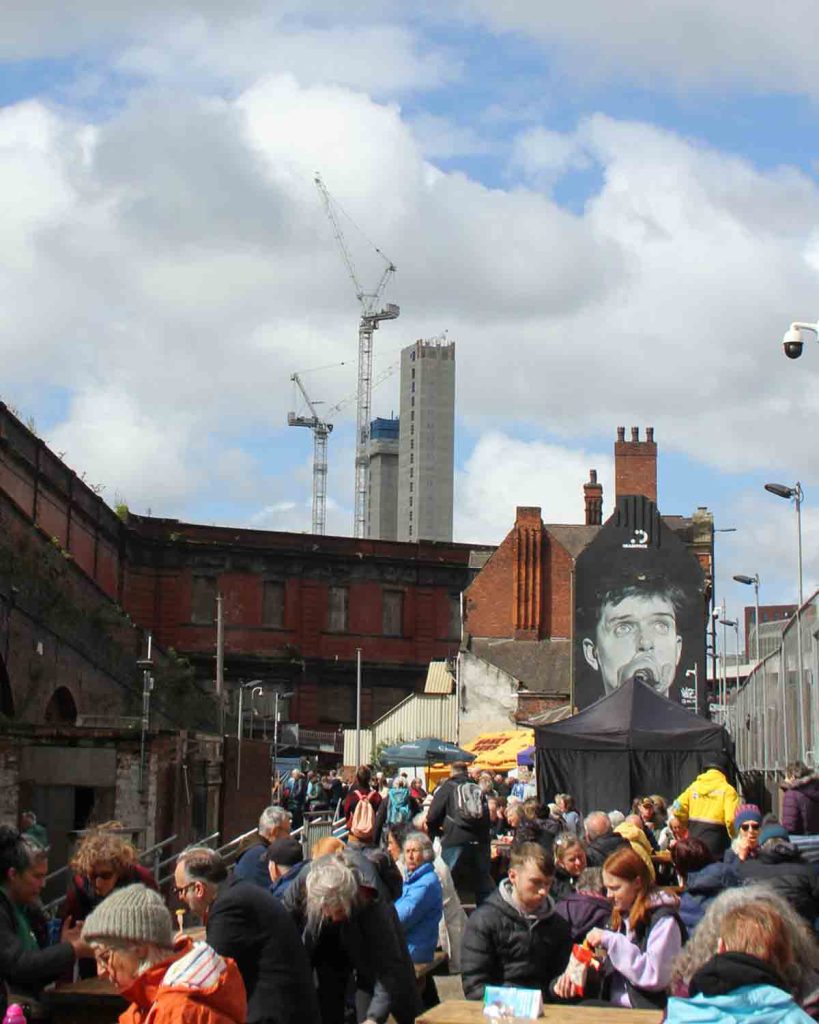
{"x": 6, "y": 699}
{"x": 61, "y": 709}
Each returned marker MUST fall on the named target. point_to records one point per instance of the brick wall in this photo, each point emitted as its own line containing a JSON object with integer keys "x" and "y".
{"x": 635, "y": 464}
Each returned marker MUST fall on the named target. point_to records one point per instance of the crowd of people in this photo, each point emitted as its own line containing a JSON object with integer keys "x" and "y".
{"x": 700, "y": 906}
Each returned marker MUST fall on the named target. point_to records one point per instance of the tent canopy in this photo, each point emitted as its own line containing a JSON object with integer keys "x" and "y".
{"x": 630, "y": 743}
{"x": 633, "y": 716}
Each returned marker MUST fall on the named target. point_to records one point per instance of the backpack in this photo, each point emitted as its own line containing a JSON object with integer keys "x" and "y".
{"x": 469, "y": 801}
{"x": 399, "y": 808}
{"x": 362, "y": 823}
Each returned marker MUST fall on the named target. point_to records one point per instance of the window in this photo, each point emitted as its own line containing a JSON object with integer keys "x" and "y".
{"x": 203, "y": 600}
{"x": 336, "y": 704}
{"x": 454, "y": 631}
{"x": 392, "y": 613}
{"x": 337, "y": 609}
{"x": 273, "y": 603}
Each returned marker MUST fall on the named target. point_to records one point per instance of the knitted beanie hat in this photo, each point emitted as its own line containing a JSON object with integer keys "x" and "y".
{"x": 747, "y": 812}
{"x": 132, "y": 914}
{"x": 773, "y": 831}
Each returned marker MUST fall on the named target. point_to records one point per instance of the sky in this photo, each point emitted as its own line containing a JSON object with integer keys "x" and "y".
{"x": 613, "y": 210}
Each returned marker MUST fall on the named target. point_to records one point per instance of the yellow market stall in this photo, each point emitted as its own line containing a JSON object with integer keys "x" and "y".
{"x": 494, "y": 752}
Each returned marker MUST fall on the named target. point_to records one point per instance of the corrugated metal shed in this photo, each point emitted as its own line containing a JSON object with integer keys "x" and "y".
{"x": 439, "y": 678}
{"x": 417, "y": 716}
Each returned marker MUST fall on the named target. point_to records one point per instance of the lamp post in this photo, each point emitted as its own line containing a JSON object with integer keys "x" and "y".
{"x": 255, "y": 684}
{"x": 797, "y": 495}
{"x": 358, "y": 707}
{"x": 276, "y": 698}
{"x": 753, "y": 581}
{"x": 726, "y": 624}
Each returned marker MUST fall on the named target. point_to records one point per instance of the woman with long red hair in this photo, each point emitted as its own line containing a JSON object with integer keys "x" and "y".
{"x": 642, "y": 939}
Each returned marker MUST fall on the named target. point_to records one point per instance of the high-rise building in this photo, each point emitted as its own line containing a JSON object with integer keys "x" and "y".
{"x": 382, "y": 506}
{"x": 426, "y": 448}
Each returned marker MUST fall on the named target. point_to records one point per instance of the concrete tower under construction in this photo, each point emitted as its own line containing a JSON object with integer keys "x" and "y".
{"x": 426, "y": 447}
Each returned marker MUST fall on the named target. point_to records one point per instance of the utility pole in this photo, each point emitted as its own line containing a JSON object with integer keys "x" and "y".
{"x": 358, "y": 707}
{"x": 371, "y": 316}
{"x": 146, "y": 665}
{"x": 220, "y": 662}
{"x": 321, "y": 430}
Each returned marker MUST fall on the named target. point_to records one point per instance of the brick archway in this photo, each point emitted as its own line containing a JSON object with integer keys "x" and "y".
{"x": 61, "y": 708}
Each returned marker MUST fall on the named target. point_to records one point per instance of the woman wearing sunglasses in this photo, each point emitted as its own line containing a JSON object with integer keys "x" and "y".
{"x": 104, "y": 861}
{"x": 747, "y": 823}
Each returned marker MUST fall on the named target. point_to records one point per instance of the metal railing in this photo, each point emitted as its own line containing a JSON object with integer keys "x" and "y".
{"x": 774, "y": 716}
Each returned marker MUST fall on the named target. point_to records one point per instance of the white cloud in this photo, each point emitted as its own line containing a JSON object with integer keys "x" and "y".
{"x": 677, "y": 43}
{"x": 178, "y": 255}
{"x": 502, "y": 473}
{"x": 543, "y": 156}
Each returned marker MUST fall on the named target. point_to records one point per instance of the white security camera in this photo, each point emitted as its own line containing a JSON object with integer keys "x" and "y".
{"x": 792, "y": 342}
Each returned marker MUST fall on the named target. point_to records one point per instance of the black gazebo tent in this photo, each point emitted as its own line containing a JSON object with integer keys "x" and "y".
{"x": 631, "y": 743}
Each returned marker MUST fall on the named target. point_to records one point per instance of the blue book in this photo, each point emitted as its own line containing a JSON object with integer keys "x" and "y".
{"x": 501, "y": 1002}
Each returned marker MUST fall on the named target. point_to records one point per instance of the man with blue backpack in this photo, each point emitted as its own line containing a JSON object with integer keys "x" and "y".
{"x": 397, "y": 808}
{"x": 459, "y": 814}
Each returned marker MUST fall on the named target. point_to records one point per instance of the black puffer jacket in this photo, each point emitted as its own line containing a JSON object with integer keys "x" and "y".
{"x": 563, "y": 884}
{"x": 602, "y": 847}
{"x": 543, "y": 831}
{"x": 785, "y": 870}
{"x": 502, "y": 947}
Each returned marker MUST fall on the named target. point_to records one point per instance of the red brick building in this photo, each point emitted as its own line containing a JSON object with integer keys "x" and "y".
{"x": 519, "y": 610}
{"x": 296, "y": 606}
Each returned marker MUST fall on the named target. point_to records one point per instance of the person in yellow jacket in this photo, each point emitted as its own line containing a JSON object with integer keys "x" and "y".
{"x": 708, "y": 807}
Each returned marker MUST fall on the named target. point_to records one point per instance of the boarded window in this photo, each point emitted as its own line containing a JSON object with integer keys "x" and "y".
{"x": 454, "y": 632}
{"x": 273, "y": 603}
{"x": 392, "y": 612}
{"x": 203, "y": 600}
{"x": 337, "y": 609}
{"x": 336, "y": 704}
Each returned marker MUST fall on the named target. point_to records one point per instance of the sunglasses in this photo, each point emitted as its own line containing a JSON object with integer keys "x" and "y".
{"x": 103, "y": 876}
{"x": 749, "y": 826}
{"x": 179, "y": 891}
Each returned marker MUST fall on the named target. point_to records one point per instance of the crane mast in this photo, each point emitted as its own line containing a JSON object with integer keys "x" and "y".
{"x": 321, "y": 431}
{"x": 371, "y": 316}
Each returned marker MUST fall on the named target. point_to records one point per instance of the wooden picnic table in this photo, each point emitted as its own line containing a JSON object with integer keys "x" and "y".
{"x": 464, "y": 1011}
{"x": 88, "y": 1001}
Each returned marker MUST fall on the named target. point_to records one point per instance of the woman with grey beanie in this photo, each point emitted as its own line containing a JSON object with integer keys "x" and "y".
{"x": 131, "y": 934}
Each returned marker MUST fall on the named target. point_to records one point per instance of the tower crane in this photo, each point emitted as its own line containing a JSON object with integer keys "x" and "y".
{"x": 371, "y": 316}
{"x": 321, "y": 431}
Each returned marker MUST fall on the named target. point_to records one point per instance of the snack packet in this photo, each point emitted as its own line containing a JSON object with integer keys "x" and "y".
{"x": 581, "y": 960}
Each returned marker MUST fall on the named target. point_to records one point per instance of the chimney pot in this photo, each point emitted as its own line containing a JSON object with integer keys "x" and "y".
{"x": 621, "y": 433}
{"x": 635, "y": 434}
{"x": 649, "y": 434}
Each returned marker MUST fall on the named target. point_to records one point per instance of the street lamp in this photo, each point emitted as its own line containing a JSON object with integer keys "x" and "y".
{"x": 256, "y": 687}
{"x": 734, "y": 624}
{"x": 276, "y": 698}
{"x": 797, "y": 495}
{"x": 792, "y": 341}
{"x": 753, "y": 581}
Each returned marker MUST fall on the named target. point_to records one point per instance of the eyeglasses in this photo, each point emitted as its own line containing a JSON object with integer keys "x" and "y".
{"x": 749, "y": 826}
{"x": 179, "y": 891}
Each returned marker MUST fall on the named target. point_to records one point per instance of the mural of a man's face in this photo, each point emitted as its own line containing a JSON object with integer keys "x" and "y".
{"x": 636, "y": 634}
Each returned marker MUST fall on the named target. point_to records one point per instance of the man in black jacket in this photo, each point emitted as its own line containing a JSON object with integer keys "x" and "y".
{"x": 780, "y": 865}
{"x": 601, "y": 839}
{"x": 24, "y": 966}
{"x": 460, "y": 815}
{"x": 349, "y": 930}
{"x": 515, "y": 938}
{"x": 253, "y": 928}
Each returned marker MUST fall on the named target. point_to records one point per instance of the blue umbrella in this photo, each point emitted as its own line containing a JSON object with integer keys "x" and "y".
{"x": 426, "y": 751}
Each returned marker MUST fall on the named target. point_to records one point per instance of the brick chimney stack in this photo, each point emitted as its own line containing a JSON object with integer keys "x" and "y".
{"x": 593, "y": 495}
{"x": 527, "y": 611}
{"x": 635, "y": 464}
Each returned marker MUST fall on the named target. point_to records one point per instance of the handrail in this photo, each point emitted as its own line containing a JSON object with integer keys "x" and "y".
{"x": 151, "y": 849}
